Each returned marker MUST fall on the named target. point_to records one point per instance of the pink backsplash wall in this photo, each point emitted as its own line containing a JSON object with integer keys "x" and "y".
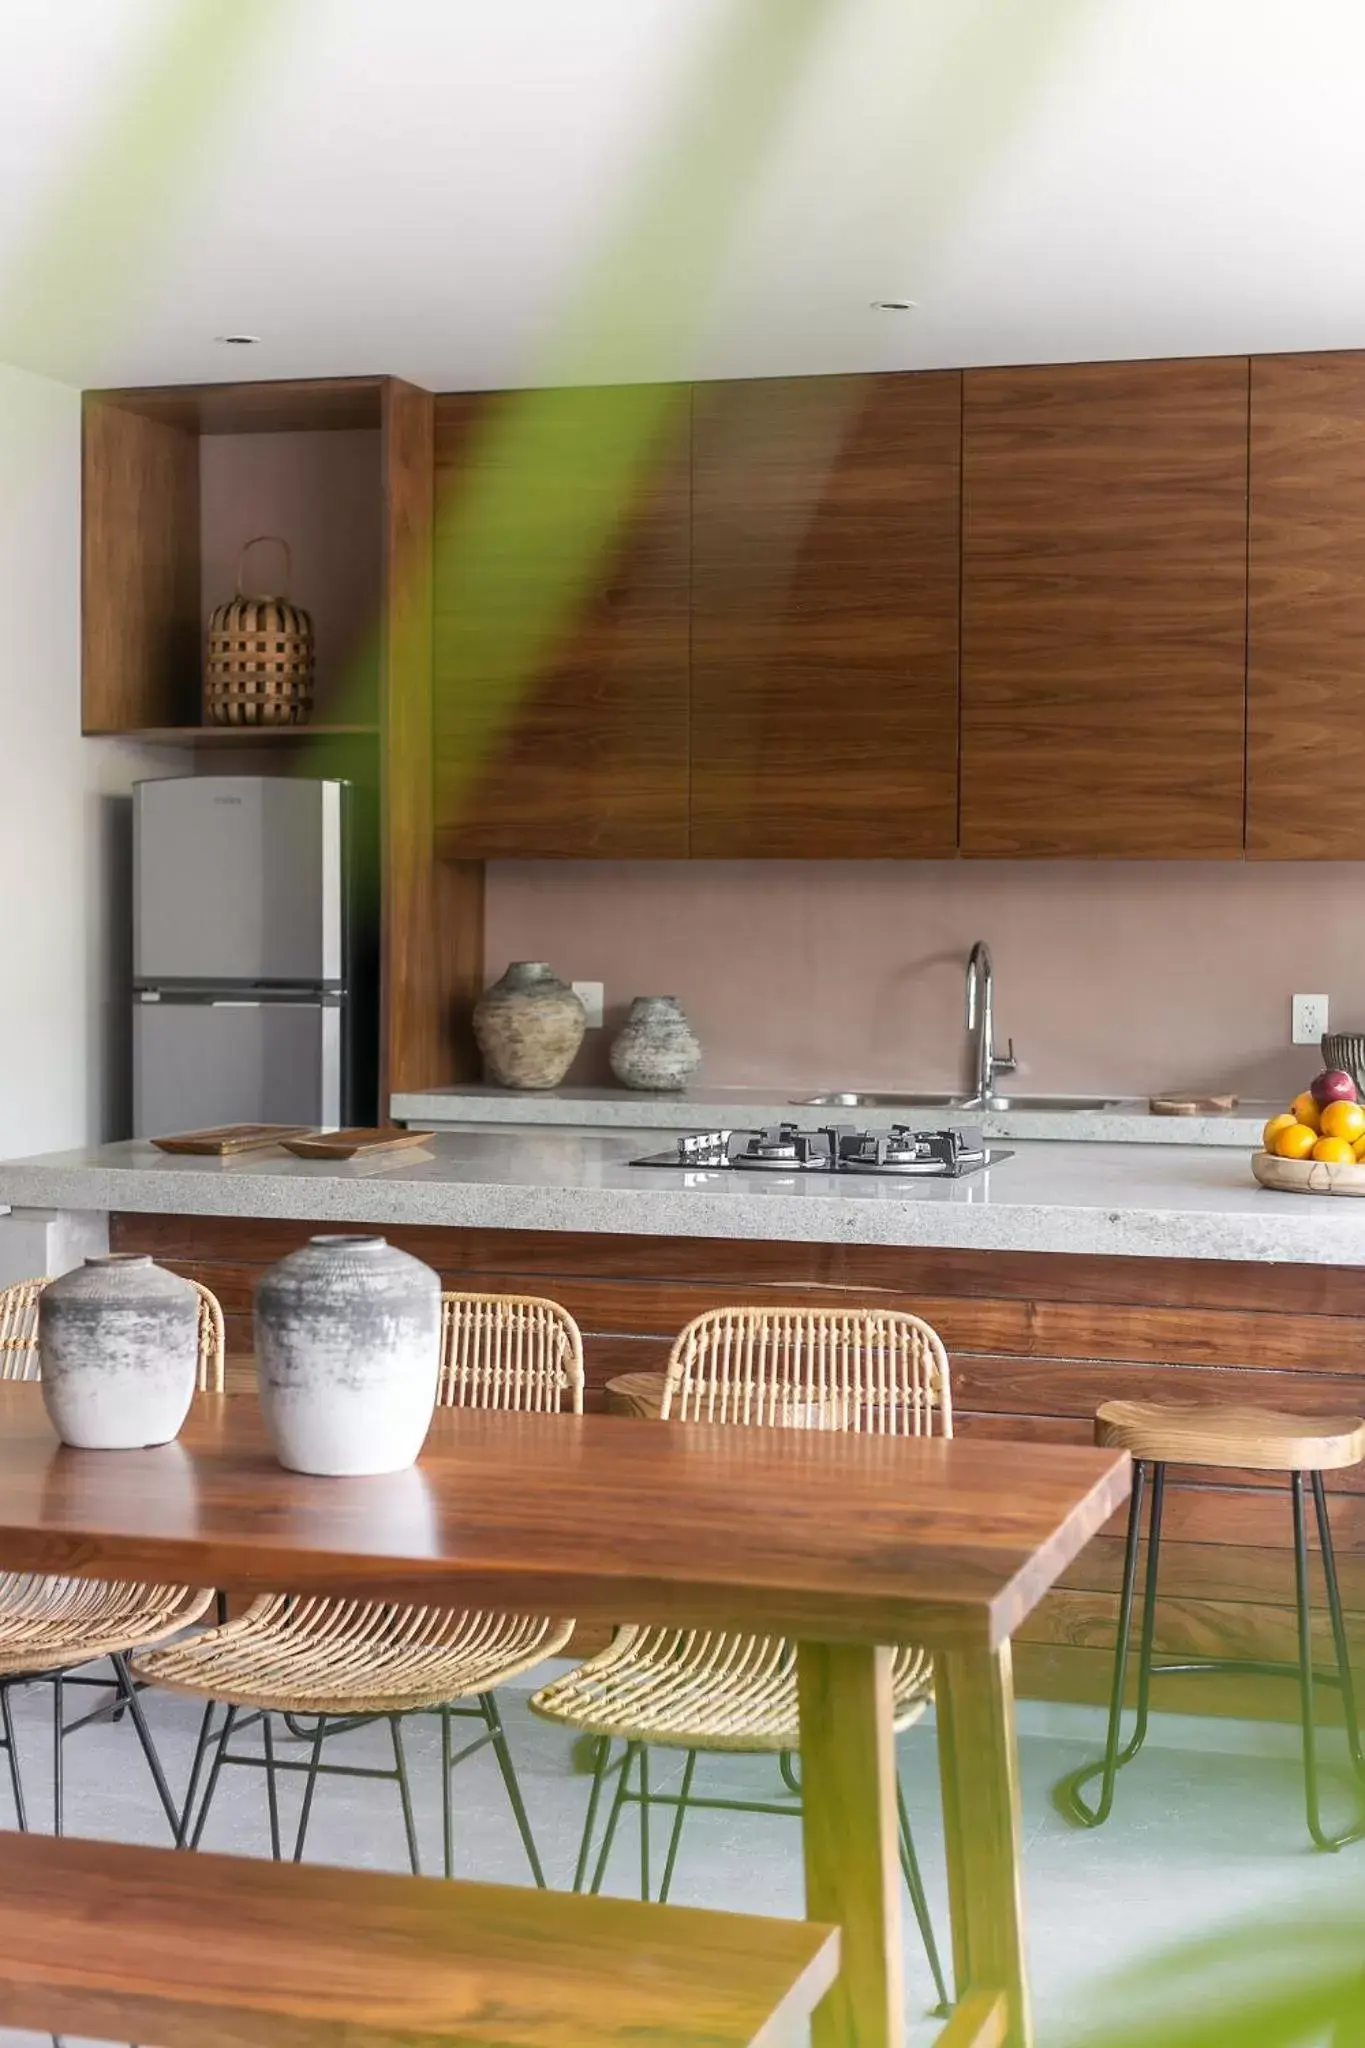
{"x": 1118, "y": 976}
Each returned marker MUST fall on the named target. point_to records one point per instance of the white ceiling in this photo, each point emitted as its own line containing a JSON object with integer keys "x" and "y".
{"x": 468, "y": 193}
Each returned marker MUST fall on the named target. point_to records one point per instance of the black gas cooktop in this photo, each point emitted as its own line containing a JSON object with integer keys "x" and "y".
{"x": 833, "y": 1148}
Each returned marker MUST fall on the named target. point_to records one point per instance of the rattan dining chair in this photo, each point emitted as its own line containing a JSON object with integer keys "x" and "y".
{"x": 49, "y": 1627}
{"x": 342, "y": 1663}
{"x": 709, "y": 1691}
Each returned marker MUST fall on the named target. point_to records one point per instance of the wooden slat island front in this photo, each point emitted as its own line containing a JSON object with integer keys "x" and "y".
{"x": 1036, "y": 1340}
{"x": 848, "y": 1543}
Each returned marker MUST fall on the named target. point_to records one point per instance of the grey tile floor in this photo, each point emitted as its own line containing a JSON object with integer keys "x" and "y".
{"x": 1199, "y": 1835}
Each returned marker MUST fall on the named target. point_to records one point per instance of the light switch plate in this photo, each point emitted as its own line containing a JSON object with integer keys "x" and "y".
{"x": 590, "y": 995}
{"x": 1309, "y": 1019}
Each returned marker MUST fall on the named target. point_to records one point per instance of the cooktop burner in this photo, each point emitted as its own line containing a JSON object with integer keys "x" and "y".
{"x": 833, "y": 1148}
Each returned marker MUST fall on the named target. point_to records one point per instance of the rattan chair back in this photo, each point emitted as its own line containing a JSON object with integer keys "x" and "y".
{"x": 878, "y": 1370}
{"x": 509, "y": 1351}
{"x": 19, "y": 1334}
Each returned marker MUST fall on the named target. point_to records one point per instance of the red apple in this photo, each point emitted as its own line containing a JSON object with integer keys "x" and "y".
{"x": 1333, "y": 1086}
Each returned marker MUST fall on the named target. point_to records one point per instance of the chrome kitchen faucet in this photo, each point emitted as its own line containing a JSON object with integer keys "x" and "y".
{"x": 981, "y": 1021}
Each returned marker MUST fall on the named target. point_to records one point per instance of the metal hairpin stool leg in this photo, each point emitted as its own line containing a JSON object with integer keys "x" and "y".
{"x": 1158, "y": 1435}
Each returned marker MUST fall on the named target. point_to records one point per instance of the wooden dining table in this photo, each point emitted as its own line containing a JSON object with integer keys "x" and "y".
{"x": 846, "y": 1543}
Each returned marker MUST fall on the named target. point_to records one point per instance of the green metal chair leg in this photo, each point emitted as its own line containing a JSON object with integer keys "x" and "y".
{"x": 919, "y": 1901}
{"x": 680, "y": 1815}
{"x": 503, "y": 1753}
{"x": 599, "y": 1774}
{"x": 633, "y": 1749}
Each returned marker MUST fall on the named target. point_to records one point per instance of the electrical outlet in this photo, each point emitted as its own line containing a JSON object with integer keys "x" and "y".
{"x": 1309, "y": 1019}
{"x": 590, "y": 994}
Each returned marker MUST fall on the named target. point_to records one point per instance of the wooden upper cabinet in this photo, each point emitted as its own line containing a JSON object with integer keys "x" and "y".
{"x": 824, "y": 616}
{"x": 1104, "y": 609}
{"x": 1306, "y": 673}
{"x": 560, "y": 667}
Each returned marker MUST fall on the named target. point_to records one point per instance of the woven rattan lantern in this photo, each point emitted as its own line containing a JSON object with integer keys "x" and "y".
{"x": 260, "y": 658}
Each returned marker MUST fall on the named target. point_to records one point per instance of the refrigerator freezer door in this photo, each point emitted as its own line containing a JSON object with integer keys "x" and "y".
{"x": 202, "y": 1063}
{"x": 238, "y": 878}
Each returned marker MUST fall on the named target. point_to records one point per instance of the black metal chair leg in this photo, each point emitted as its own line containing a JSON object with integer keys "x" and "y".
{"x": 493, "y": 1719}
{"x": 599, "y": 1775}
{"x": 128, "y": 1692}
{"x": 12, "y": 1749}
{"x": 1308, "y": 1719}
{"x": 622, "y": 1786}
{"x": 919, "y": 1900}
{"x": 229, "y": 1722}
{"x": 1067, "y": 1793}
{"x": 675, "y": 1833}
{"x": 401, "y": 1772}
{"x": 644, "y": 1822}
{"x": 196, "y": 1767}
{"x": 272, "y": 1796}
{"x": 310, "y": 1786}
{"x": 1343, "y": 1652}
{"x": 447, "y": 1797}
{"x": 58, "y": 1738}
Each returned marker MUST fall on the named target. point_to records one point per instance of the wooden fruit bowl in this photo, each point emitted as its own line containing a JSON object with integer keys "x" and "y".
{"x": 1307, "y": 1176}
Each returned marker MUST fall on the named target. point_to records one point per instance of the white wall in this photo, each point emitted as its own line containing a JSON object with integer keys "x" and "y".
{"x": 63, "y": 803}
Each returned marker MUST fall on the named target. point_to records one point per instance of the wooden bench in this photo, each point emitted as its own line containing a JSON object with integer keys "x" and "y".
{"x": 196, "y": 1951}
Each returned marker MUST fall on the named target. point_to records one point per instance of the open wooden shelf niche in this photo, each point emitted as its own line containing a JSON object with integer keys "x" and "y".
{"x": 174, "y": 480}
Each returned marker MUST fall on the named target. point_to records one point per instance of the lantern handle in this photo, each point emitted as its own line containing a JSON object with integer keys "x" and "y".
{"x": 255, "y": 541}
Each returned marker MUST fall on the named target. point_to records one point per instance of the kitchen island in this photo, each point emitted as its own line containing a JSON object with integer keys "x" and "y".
{"x": 1065, "y": 1275}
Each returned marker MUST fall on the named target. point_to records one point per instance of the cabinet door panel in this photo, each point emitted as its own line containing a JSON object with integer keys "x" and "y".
{"x": 1306, "y": 676}
{"x": 1104, "y": 610}
{"x": 824, "y": 616}
{"x": 561, "y": 628}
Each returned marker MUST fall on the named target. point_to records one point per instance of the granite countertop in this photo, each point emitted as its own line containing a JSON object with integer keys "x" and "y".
{"x": 1186, "y": 1202}
{"x": 1126, "y": 1122}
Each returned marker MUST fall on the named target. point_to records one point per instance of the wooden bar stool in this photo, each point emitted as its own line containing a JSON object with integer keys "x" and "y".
{"x": 1164, "y": 1433}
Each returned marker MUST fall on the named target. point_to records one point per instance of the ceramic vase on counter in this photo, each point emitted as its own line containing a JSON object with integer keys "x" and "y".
{"x": 529, "y": 1025}
{"x": 348, "y": 1351}
{"x": 118, "y": 1341}
{"x": 657, "y": 1048}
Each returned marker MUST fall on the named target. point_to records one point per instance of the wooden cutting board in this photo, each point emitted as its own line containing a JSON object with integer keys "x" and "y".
{"x": 1191, "y": 1105}
{"x": 353, "y": 1144}
{"x": 223, "y": 1140}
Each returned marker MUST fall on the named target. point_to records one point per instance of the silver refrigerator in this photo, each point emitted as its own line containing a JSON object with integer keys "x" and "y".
{"x": 244, "y": 967}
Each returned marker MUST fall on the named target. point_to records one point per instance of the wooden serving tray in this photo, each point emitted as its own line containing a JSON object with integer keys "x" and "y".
{"x": 1191, "y": 1105}
{"x": 224, "y": 1139}
{"x": 1307, "y": 1176}
{"x": 353, "y": 1144}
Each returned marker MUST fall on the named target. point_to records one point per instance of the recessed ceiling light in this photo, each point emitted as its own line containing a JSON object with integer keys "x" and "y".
{"x": 238, "y": 340}
{"x": 895, "y": 305}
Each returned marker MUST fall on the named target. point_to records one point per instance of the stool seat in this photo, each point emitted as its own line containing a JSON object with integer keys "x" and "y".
{"x": 636, "y": 1393}
{"x": 1265, "y": 1439}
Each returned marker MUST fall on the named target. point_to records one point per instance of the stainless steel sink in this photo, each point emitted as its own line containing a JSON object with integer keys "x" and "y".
{"x": 846, "y": 1099}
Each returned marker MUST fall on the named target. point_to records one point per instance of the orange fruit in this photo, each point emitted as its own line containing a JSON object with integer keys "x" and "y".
{"x": 1334, "y": 1152}
{"x": 1279, "y": 1123}
{"x": 1306, "y": 1111}
{"x": 1296, "y": 1143}
{"x": 1359, "y": 1149}
{"x": 1343, "y": 1120}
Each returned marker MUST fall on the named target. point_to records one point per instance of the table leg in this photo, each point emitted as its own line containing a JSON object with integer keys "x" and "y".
{"x": 848, "y": 1786}
{"x": 979, "y": 1770}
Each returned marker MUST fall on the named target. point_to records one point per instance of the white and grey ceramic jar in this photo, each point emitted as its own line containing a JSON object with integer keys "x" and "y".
{"x": 657, "y": 1048}
{"x": 348, "y": 1351}
{"x": 118, "y": 1342}
{"x": 529, "y": 1025}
